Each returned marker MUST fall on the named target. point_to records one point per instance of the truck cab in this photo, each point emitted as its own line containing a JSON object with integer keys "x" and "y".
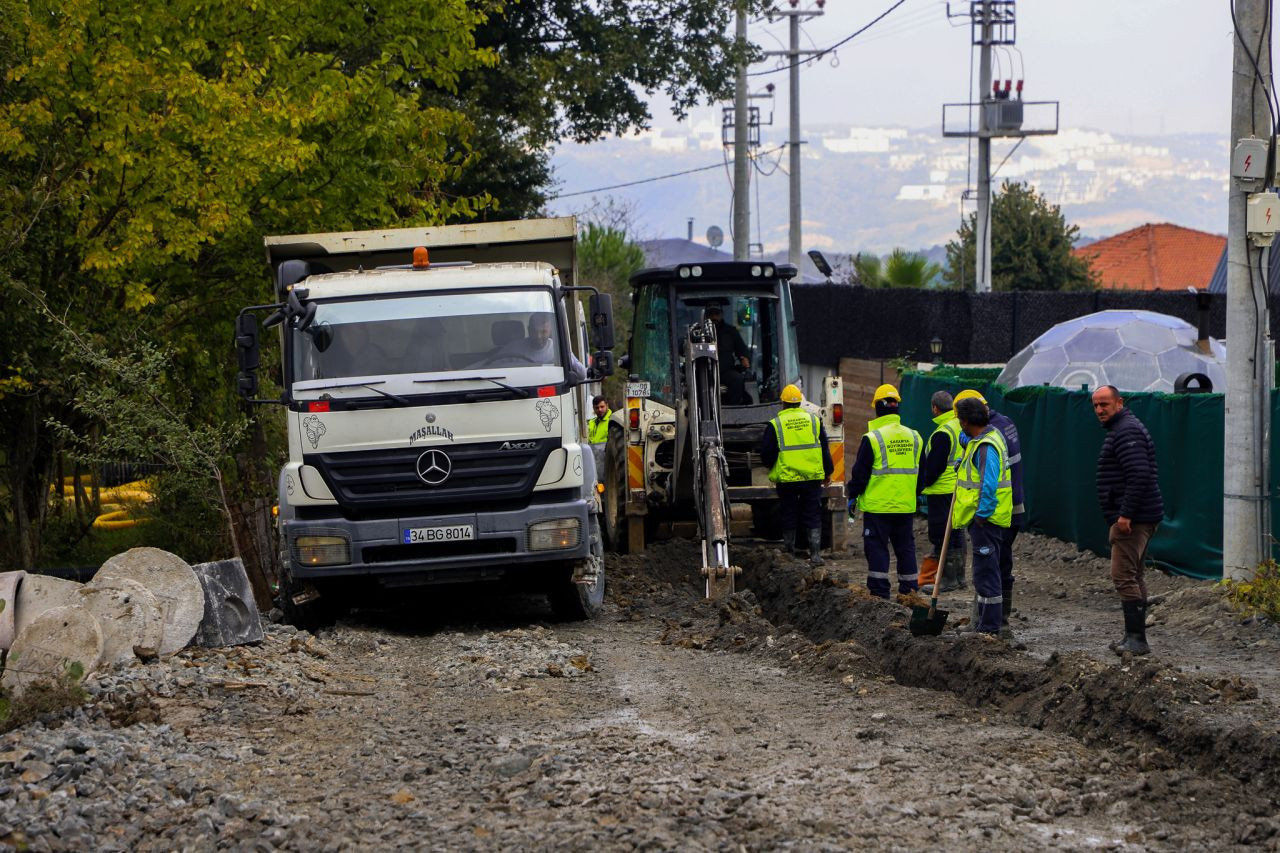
{"x": 435, "y": 394}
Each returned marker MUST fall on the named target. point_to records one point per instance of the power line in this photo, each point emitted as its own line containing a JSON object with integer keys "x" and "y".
{"x": 827, "y": 50}
{"x": 651, "y": 180}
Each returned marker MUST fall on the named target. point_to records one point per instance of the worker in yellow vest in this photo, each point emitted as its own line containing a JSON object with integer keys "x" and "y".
{"x": 984, "y": 504}
{"x": 883, "y": 484}
{"x": 938, "y": 477}
{"x": 795, "y": 450}
{"x": 598, "y": 433}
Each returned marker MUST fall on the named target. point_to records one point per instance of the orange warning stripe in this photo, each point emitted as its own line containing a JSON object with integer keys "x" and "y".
{"x": 635, "y": 466}
{"x": 837, "y": 458}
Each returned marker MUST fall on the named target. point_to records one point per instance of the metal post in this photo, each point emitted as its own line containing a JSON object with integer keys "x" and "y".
{"x": 1244, "y": 479}
{"x": 982, "y": 235}
{"x": 795, "y": 253}
{"x": 741, "y": 164}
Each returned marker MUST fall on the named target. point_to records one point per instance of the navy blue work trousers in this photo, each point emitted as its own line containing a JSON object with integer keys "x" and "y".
{"x": 799, "y": 505}
{"x": 939, "y": 507}
{"x": 882, "y": 530}
{"x": 988, "y": 543}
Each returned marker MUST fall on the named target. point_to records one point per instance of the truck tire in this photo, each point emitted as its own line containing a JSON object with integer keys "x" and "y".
{"x": 572, "y": 601}
{"x": 614, "y": 499}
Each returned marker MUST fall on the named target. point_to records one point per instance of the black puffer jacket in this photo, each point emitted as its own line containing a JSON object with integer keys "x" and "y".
{"x": 1127, "y": 478}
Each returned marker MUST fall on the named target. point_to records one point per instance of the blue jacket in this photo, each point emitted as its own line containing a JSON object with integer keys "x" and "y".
{"x": 988, "y": 462}
{"x": 1010, "y": 431}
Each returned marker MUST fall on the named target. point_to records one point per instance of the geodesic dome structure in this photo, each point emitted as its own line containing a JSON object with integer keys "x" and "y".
{"x": 1132, "y": 350}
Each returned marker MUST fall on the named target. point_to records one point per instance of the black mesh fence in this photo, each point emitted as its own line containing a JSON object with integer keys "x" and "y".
{"x": 836, "y": 321}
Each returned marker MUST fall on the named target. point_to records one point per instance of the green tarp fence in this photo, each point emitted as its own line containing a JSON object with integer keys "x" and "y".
{"x": 1061, "y": 438}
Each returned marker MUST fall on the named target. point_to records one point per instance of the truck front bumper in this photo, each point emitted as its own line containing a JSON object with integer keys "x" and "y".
{"x": 377, "y": 547}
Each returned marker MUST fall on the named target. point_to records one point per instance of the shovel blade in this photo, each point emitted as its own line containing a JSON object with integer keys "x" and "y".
{"x": 923, "y": 624}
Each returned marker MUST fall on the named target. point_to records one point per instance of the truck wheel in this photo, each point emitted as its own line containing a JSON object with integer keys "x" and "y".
{"x": 764, "y": 521}
{"x": 572, "y": 601}
{"x": 614, "y": 499}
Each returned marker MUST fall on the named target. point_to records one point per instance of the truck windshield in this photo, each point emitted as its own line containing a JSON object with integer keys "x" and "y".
{"x": 512, "y": 334}
{"x": 755, "y": 365}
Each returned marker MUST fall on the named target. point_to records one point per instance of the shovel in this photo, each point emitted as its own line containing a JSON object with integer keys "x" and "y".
{"x": 929, "y": 621}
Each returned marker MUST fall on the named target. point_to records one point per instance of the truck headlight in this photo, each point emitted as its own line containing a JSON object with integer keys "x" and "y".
{"x": 555, "y": 534}
{"x": 321, "y": 550}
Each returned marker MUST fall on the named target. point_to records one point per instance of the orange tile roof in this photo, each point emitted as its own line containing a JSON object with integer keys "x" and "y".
{"x": 1155, "y": 257}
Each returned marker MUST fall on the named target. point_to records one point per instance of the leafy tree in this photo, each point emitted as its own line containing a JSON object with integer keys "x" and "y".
{"x": 866, "y": 270}
{"x": 1030, "y": 246}
{"x": 900, "y": 268}
{"x": 579, "y": 70}
{"x": 606, "y": 259}
{"x": 909, "y": 269}
{"x": 146, "y": 146}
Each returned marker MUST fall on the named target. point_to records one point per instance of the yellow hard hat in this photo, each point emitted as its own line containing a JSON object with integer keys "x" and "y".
{"x": 886, "y": 392}
{"x": 791, "y": 394}
{"x": 969, "y": 394}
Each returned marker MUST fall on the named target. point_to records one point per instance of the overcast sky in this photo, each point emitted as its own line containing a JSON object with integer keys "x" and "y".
{"x": 1127, "y": 66}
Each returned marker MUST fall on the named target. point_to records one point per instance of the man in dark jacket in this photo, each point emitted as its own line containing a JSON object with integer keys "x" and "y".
{"x": 1129, "y": 494}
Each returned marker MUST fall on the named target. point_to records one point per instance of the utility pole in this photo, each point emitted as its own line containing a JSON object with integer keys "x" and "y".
{"x": 982, "y": 235}
{"x": 795, "y": 251}
{"x": 1001, "y": 113}
{"x": 1246, "y": 491}
{"x": 741, "y": 162}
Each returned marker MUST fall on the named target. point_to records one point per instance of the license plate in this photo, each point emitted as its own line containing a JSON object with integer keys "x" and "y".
{"x": 638, "y": 389}
{"x": 452, "y": 533}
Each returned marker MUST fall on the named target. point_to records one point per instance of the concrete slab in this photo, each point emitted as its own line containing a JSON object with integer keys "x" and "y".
{"x": 45, "y": 648}
{"x": 9, "y": 582}
{"x": 38, "y": 593}
{"x": 131, "y": 620}
{"x": 170, "y": 579}
{"x": 230, "y": 613}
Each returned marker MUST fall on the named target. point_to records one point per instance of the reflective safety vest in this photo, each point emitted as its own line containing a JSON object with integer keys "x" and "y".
{"x": 799, "y": 447}
{"x": 946, "y": 482}
{"x": 969, "y": 483}
{"x": 895, "y": 453}
{"x": 598, "y": 429}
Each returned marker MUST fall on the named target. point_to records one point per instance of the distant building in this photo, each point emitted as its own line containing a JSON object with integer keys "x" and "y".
{"x": 1155, "y": 257}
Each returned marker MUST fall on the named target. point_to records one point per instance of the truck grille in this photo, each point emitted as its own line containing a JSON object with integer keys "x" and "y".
{"x": 373, "y": 481}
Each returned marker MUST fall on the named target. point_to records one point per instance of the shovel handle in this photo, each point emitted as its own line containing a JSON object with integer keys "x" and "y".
{"x": 942, "y": 552}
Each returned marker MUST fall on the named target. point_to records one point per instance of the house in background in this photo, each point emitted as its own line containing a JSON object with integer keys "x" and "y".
{"x": 1155, "y": 257}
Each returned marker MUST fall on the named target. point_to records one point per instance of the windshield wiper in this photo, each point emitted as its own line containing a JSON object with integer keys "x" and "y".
{"x": 494, "y": 379}
{"x": 370, "y": 385}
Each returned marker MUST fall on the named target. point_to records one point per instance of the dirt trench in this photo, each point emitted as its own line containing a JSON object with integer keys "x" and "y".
{"x": 1157, "y": 714}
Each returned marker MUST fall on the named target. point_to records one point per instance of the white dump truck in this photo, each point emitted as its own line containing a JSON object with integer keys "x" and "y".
{"x": 436, "y": 397}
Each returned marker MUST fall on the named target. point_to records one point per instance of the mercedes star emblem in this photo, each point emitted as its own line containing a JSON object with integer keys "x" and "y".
{"x": 434, "y": 467}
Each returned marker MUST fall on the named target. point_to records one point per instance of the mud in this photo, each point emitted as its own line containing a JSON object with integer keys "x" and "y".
{"x": 1158, "y": 715}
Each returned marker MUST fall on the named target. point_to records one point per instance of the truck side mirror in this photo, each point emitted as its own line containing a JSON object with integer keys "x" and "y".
{"x": 247, "y": 349}
{"x": 602, "y": 364}
{"x": 601, "y": 308}
{"x": 248, "y": 355}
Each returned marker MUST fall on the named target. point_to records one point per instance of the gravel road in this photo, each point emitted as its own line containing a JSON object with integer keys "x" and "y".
{"x": 474, "y": 722}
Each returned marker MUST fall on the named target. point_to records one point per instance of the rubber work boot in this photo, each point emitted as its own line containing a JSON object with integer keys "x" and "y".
{"x": 815, "y": 546}
{"x": 1135, "y": 630}
{"x": 789, "y": 543}
{"x": 952, "y": 572}
{"x": 1006, "y": 608}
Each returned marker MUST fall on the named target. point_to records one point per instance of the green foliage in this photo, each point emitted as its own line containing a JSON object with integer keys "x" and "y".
{"x": 972, "y": 375}
{"x": 909, "y": 269}
{"x": 54, "y": 696}
{"x": 1030, "y": 246}
{"x": 581, "y": 71}
{"x": 900, "y": 268}
{"x": 145, "y": 148}
{"x": 1259, "y": 596}
{"x": 866, "y": 270}
{"x": 606, "y": 259}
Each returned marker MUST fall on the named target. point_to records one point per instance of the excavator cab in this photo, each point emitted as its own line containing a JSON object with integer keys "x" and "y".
{"x": 683, "y": 423}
